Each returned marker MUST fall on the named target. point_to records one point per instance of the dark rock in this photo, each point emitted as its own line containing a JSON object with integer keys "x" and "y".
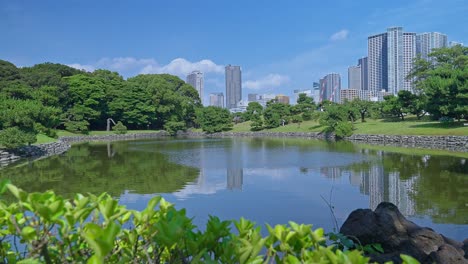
{"x": 465, "y": 247}
{"x": 397, "y": 235}
{"x": 447, "y": 254}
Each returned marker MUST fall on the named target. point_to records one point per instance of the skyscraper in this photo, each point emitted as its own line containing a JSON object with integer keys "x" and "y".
{"x": 377, "y": 62}
{"x": 197, "y": 81}
{"x": 364, "y": 73}
{"x": 426, "y": 42}
{"x": 233, "y": 86}
{"x": 390, "y": 60}
{"x": 217, "y": 99}
{"x": 330, "y": 87}
{"x": 354, "y": 77}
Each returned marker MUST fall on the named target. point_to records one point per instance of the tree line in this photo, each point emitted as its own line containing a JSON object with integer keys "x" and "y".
{"x": 48, "y": 96}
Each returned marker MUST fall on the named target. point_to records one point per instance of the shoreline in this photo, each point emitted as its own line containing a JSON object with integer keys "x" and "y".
{"x": 447, "y": 143}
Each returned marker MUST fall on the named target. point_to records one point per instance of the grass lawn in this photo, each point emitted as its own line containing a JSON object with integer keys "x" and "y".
{"x": 409, "y": 127}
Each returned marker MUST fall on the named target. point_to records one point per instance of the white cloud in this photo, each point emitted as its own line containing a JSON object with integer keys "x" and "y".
{"x": 125, "y": 63}
{"x": 78, "y": 66}
{"x": 340, "y": 35}
{"x": 269, "y": 81}
{"x": 181, "y": 66}
{"x": 130, "y": 66}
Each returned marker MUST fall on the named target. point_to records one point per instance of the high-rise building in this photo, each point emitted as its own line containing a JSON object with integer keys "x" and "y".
{"x": 354, "y": 77}
{"x": 252, "y": 97}
{"x": 426, "y": 42}
{"x": 348, "y": 95}
{"x": 233, "y": 86}
{"x": 390, "y": 60}
{"x": 330, "y": 87}
{"x": 197, "y": 81}
{"x": 217, "y": 99}
{"x": 377, "y": 62}
{"x": 364, "y": 73}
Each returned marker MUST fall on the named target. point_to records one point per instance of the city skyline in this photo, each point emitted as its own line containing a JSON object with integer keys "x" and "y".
{"x": 153, "y": 41}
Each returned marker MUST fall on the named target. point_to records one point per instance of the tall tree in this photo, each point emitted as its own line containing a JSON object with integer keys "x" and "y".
{"x": 444, "y": 82}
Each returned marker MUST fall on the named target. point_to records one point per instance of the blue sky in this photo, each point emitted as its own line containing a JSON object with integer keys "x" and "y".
{"x": 280, "y": 45}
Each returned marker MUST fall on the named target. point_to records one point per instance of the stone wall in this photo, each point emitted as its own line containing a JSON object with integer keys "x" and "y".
{"x": 115, "y": 137}
{"x": 452, "y": 143}
{"x": 34, "y": 151}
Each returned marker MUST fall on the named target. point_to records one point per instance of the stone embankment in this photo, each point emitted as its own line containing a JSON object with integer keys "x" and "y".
{"x": 397, "y": 235}
{"x": 452, "y": 143}
{"x": 41, "y": 150}
{"x": 64, "y": 143}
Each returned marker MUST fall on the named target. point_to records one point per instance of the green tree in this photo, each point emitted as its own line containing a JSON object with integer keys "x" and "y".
{"x": 393, "y": 107}
{"x": 276, "y": 114}
{"x": 120, "y": 128}
{"x": 444, "y": 82}
{"x": 214, "y": 119}
{"x": 362, "y": 106}
{"x": 257, "y": 122}
{"x": 252, "y": 108}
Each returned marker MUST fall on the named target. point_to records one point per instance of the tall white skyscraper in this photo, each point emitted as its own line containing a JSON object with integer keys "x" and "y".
{"x": 426, "y": 42}
{"x": 197, "y": 81}
{"x": 233, "y": 86}
{"x": 354, "y": 77}
{"x": 377, "y": 62}
{"x": 390, "y": 60}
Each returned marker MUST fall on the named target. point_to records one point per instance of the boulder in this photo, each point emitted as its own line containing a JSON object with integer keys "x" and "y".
{"x": 397, "y": 235}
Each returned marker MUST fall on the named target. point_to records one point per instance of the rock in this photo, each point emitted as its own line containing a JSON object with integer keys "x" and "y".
{"x": 397, "y": 235}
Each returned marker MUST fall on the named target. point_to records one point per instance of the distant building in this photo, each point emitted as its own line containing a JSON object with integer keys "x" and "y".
{"x": 364, "y": 73}
{"x": 217, "y": 99}
{"x": 426, "y": 42}
{"x": 348, "y": 95}
{"x": 455, "y": 43}
{"x": 316, "y": 92}
{"x": 233, "y": 86}
{"x": 390, "y": 60}
{"x": 240, "y": 107}
{"x": 377, "y": 62}
{"x": 365, "y": 95}
{"x": 263, "y": 99}
{"x": 252, "y": 97}
{"x": 401, "y": 47}
{"x": 330, "y": 87}
{"x": 282, "y": 99}
{"x": 197, "y": 81}
{"x": 354, "y": 77}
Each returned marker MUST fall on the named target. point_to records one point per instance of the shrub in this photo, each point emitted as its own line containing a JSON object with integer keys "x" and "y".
{"x": 343, "y": 129}
{"x": 120, "y": 128}
{"x": 214, "y": 119}
{"x": 96, "y": 229}
{"x": 307, "y": 116}
{"x": 257, "y": 122}
{"x": 172, "y": 127}
{"x": 13, "y": 137}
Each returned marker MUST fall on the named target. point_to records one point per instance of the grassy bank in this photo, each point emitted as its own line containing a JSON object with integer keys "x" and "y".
{"x": 381, "y": 127}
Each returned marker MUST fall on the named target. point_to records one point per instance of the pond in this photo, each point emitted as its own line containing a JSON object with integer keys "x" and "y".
{"x": 267, "y": 180}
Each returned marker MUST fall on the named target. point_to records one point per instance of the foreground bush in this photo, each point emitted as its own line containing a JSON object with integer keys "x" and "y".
{"x": 46, "y": 228}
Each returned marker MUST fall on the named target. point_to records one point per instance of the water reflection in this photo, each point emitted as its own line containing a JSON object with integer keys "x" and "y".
{"x": 269, "y": 180}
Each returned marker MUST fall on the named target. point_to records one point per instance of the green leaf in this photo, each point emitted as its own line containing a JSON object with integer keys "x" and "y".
{"x": 28, "y": 233}
{"x": 408, "y": 259}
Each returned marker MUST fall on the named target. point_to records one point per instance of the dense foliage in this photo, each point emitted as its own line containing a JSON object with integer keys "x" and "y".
{"x": 44, "y": 227}
{"x": 444, "y": 82}
{"x": 214, "y": 119}
{"x": 48, "y": 96}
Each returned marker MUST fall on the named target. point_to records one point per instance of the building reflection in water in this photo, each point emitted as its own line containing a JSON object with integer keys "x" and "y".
{"x": 234, "y": 166}
{"x": 380, "y": 186}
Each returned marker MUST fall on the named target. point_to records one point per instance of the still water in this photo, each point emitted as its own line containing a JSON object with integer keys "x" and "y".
{"x": 266, "y": 180}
